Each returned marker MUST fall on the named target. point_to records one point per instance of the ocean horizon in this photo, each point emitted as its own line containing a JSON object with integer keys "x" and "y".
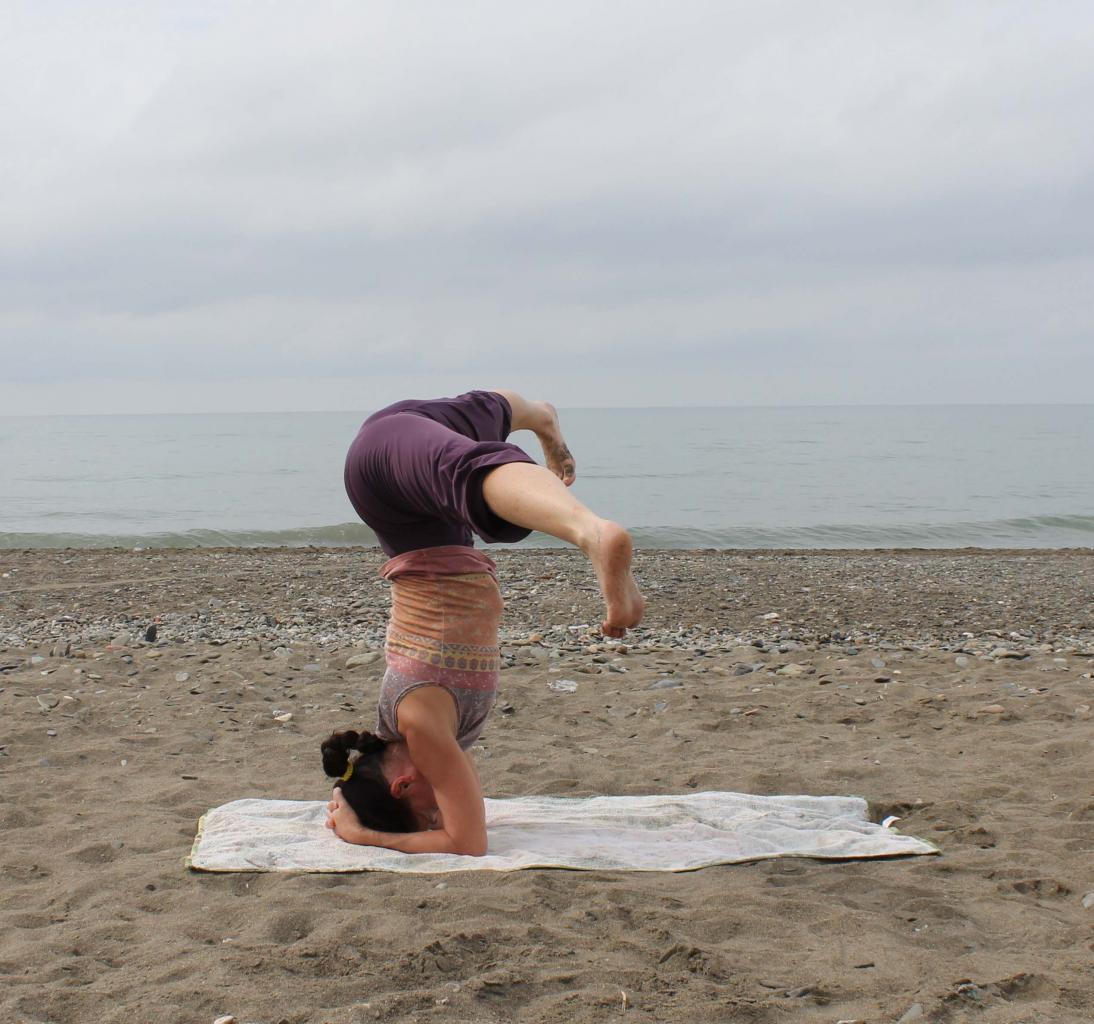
{"x": 937, "y": 476}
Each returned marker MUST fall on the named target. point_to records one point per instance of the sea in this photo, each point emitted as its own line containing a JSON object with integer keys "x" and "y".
{"x": 824, "y": 477}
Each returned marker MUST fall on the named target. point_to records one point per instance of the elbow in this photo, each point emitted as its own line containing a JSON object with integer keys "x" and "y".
{"x": 471, "y": 847}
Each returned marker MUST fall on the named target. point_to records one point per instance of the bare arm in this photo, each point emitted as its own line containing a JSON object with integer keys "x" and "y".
{"x": 426, "y": 720}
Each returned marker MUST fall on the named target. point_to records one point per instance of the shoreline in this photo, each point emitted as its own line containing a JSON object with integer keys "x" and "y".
{"x": 951, "y": 689}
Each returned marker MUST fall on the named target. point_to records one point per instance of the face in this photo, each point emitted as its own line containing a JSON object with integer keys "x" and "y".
{"x": 418, "y": 793}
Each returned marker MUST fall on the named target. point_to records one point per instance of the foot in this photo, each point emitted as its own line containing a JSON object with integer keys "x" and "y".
{"x": 557, "y": 455}
{"x": 610, "y": 551}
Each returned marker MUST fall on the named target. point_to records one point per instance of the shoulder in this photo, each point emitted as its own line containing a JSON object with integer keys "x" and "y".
{"x": 428, "y": 710}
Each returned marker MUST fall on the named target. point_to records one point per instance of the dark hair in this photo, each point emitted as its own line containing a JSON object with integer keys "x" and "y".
{"x": 366, "y": 790}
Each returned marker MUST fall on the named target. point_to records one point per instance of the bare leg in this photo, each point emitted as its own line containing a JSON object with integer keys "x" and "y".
{"x": 535, "y": 498}
{"x": 542, "y": 419}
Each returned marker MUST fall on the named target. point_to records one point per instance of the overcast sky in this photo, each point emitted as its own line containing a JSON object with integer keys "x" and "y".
{"x": 330, "y": 205}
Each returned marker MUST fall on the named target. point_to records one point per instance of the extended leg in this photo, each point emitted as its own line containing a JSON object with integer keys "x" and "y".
{"x": 535, "y": 498}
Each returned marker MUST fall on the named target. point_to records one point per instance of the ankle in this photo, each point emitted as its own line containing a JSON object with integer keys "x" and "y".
{"x": 589, "y": 535}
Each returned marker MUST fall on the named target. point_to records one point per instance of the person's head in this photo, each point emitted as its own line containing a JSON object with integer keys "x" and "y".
{"x": 380, "y": 783}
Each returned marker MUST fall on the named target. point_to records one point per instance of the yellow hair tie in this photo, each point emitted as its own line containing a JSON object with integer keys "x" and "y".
{"x": 348, "y": 772}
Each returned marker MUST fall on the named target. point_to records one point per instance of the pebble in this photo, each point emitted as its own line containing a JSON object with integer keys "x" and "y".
{"x": 563, "y": 685}
{"x": 743, "y": 670}
{"x": 993, "y": 709}
{"x": 36, "y": 659}
{"x": 51, "y": 732}
{"x": 665, "y": 684}
{"x": 914, "y": 1012}
{"x": 282, "y": 652}
{"x": 1088, "y": 901}
{"x": 771, "y": 617}
{"x": 48, "y": 702}
{"x": 285, "y": 717}
{"x": 181, "y": 677}
{"x": 1006, "y": 652}
{"x": 150, "y": 634}
{"x": 226, "y": 1019}
{"x": 795, "y": 671}
{"x": 961, "y": 661}
{"x": 356, "y": 660}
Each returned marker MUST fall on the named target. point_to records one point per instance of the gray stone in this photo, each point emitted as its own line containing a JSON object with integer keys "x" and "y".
{"x": 665, "y": 684}
{"x": 47, "y": 702}
{"x": 1006, "y": 652}
{"x": 282, "y": 652}
{"x": 36, "y": 659}
{"x": 914, "y": 1012}
{"x": 1088, "y": 901}
{"x": 794, "y": 671}
{"x": 368, "y": 658}
{"x": 743, "y": 670}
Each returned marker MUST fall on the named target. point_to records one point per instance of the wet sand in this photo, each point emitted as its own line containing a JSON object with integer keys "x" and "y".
{"x": 950, "y": 688}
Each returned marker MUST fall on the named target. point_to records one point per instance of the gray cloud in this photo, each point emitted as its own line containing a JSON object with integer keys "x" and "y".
{"x": 222, "y": 206}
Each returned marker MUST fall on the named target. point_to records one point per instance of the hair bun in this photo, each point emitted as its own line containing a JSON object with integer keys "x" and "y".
{"x": 368, "y": 743}
{"x": 336, "y": 749}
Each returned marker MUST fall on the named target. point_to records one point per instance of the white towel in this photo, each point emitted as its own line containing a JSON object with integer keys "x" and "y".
{"x": 602, "y": 833}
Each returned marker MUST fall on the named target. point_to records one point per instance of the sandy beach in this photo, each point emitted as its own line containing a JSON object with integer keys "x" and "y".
{"x": 951, "y": 688}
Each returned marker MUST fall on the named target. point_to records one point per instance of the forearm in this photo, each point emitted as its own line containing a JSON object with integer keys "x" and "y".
{"x": 436, "y": 841}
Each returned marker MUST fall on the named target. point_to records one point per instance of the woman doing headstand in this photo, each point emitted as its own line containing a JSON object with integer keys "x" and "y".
{"x": 425, "y": 475}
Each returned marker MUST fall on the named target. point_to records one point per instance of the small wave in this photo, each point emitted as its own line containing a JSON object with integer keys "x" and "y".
{"x": 1048, "y": 531}
{"x": 343, "y": 535}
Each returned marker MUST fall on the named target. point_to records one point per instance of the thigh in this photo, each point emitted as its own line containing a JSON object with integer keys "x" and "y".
{"x": 393, "y": 482}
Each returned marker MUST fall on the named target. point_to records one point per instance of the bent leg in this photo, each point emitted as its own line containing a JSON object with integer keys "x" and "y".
{"x": 535, "y": 498}
{"x": 542, "y": 419}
